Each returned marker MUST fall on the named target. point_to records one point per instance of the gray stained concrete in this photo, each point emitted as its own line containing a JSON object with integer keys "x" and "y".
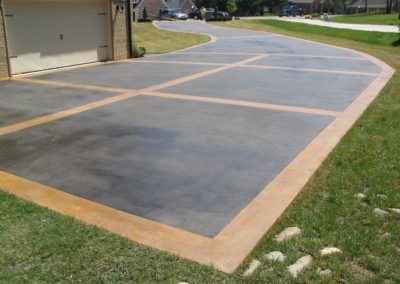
{"x": 133, "y": 75}
{"x": 20, "y": 101}
{"x": 182, "y": 163}
{"x": 192, "y": 165}
{"x": 304, "y": 89}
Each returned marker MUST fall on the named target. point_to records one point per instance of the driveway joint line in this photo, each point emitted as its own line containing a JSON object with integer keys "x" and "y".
{"x": 72, "y": 85}
{"x": 65, "y": 113}
{"x": 319, "y": 56}
{"x": 203, "y": 74}
{"x": 244, "y": 103}
{"x": 93, "y": 105}
{"x": 183, "y": 62}
{"x": 311, "y": 70}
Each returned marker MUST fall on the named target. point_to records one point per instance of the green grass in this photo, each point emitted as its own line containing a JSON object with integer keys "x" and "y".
{"x": 158, "y": 41}
{"x": 374, "y": 38}
{"x": 378, "y": 19}
{"x": 42, "y": 246}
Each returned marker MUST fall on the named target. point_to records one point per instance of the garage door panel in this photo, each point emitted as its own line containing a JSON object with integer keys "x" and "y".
{"x": 44, "y": 34}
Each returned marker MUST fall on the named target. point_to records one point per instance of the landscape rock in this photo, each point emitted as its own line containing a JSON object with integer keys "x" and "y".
{"x": 395, "y": 210}
{"x": 360, "y": 196}
{"x": 329, "y": 250}
{"x": 382, "y": 196}
{"x": 299, "y": 265}
{"x": 380, "y": 212}
{"x": 324, "y": 272}
{"x": 275, "y": 256}
{"x": 252, "y": 267}
{"x": 287, "y": 234}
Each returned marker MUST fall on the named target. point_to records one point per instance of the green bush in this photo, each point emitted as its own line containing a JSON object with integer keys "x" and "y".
{"x": 144, "y": 21}
{"x": 138, "y": 51}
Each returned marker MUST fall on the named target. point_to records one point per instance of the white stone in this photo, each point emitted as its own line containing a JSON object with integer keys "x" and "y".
{"x": 183, "y": 283}
{"x": 382, "y": 196}
{"x": 287, "y": 233}
{"x": 329, "y": 250}
{"x": 252, "y": 267}
{"x": 395, "y": 210}
{"x": 380, "y": 212}
{"x": 360, "y": 196}
{"x": 275, "y": 256}
{"x": 324, "y": 272}
{"x": 299, "y": 265}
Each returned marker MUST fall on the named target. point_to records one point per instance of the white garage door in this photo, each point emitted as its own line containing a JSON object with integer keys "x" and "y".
{"x": 45, "y": 34}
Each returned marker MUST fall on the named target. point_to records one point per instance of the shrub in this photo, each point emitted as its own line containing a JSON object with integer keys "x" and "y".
{"x": 138, "y": 51}
{"x": 144, "y": 21}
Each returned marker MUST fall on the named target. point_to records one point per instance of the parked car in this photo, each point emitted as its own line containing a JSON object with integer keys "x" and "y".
{"x": 172, "y": 14}
{"x": 291, "y": 11}
{"x": 210, "y": 12}
{"x": 223, "y": 14}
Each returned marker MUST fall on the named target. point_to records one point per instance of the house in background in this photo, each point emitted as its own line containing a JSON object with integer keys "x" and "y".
{"x": 373, "y": 6}
{"x": 306, "y": 5}
{"x": 38, "y": 35}
{"x": 153, "y": 7}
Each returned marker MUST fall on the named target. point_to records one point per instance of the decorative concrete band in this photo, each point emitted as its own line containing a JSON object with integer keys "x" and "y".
{"x": 229, "y": 248}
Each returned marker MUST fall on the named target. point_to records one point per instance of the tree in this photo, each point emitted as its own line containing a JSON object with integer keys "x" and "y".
{"x": 231, "y": 6}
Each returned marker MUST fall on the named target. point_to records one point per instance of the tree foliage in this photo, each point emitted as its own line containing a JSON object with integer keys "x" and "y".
{"x": 231, "y": 6}
{"x": 244, "y": 7}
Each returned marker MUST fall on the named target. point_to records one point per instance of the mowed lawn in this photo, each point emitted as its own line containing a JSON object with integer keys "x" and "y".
{"x": 38, "y": 245}
{"x": 378, "y": 19}
{"x": 157, "y": 41}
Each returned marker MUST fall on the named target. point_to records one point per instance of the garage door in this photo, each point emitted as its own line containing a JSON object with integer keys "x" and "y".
{"x": 45, "y": 34}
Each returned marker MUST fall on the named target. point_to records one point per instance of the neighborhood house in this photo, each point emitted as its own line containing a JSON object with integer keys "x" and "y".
{"x": 153, "y": 7}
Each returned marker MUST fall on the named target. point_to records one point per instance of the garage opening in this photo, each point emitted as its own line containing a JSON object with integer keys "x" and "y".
{"x": 45, "y": 34}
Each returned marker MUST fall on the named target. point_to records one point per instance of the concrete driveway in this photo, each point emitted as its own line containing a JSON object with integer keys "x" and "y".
{"x": 188, "y": 146}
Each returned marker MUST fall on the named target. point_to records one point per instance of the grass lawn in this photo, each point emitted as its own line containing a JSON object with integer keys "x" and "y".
{"x": 157, "y": 41}
{"x": 42, "y": 246}
{"x": 378, "y": 19}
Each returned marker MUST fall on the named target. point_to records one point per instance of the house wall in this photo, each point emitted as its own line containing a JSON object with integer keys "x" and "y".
{"x": 119, "y": 38}
{"x": 119, "y": 33}
{"x": 3, "y": 50}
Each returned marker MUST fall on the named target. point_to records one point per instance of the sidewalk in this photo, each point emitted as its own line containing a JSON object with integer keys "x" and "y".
{"x": 369, "y": 28}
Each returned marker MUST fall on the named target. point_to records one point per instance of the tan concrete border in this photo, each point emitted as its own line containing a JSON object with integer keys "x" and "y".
{"x": 228, "y": 249}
